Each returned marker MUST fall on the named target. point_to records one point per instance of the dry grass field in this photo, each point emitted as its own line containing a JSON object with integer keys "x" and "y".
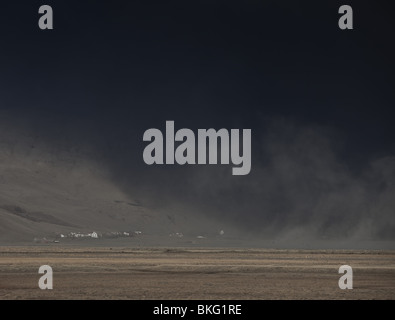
{"x": 197, "y": 273}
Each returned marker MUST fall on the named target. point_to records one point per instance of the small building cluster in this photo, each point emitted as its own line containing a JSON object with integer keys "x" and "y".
{"x": 177, "y": 235}
{"x": 88, "y": 235}
{"x": 106, "y": 235}
{"x": 93, "y": 235}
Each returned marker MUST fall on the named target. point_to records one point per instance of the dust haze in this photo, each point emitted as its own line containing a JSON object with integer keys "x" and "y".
{"x": 75, "y": 102}
{"x": 88, "y": 174}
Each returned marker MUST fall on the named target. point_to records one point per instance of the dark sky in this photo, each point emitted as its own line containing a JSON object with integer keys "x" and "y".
{"x": 320, "y": 101}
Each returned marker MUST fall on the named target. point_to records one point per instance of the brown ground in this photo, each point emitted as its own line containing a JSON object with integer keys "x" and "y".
{"x": 178, "y": 273}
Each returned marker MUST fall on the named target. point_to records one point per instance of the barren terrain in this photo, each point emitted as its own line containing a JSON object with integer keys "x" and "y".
{"x": 194, "y": 273}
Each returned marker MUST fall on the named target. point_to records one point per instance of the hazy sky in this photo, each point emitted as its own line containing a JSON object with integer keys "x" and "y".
{"x": 320, "y": 101}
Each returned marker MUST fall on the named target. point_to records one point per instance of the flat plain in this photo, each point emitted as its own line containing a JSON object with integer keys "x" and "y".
{"x": 194, "y": 273}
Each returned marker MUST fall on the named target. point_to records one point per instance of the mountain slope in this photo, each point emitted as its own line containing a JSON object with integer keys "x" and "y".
{"x": 44, "y": 195}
